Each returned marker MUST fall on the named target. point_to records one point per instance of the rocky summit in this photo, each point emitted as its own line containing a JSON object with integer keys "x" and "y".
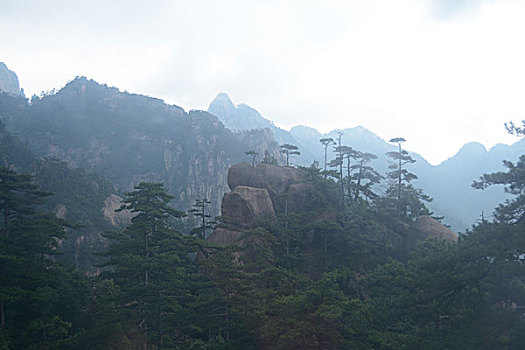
{"x": 9, "y": 81}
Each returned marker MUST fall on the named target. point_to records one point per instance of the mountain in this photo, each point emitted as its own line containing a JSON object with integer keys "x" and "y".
{"x": 9, "y": 81}
{"x": 449, "y": 183}
{"x": 131, "y": 138}
{"x": 243, "y": 117}
{"x": 90, "y": 143}
{"x": 80, "y": 197}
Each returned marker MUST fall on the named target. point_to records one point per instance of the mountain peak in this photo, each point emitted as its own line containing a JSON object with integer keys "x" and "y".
{"x": 473, "y": 148}
{"x": 223, "y": 107}
{"x": 222, "y": 98}
{"x": 9, "y": 81}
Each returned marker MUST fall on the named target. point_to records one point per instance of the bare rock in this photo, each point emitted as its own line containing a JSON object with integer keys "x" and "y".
{"x": 427, "y": 227}
{"x": 223, "y": 236}
{"x": 271, "y": 177}
{"x": 119, "y": 218}
{"x": 61, "y": 211}
{"x": 244, "y": 205}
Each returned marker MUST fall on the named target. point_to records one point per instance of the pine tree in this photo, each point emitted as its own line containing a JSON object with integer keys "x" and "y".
{"x": 409, "y": 200}
{"x": 252, "y": 154}
{"x": 327, "y": 141}
{"x": 199, "y": 211}
{"x": 366, "y": 176}
{"x": 289, "y": 150}
{"x": 33, "y": 302}
{"x": 149, "y": 261}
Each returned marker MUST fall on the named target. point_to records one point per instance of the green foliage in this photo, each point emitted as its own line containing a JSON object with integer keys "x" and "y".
{"x": 206, "y": 223}
{"x": 40, "y": 301}
{"x": 151, "y": 265}
{"x": 252, "y": 154}
{"x": 401, "y": 194}
{"x": 514, "y": 181}
{"x": 268, "y": 158}
{"x": 450, "y": 296}
{"x": 365, "y": 178}
{"x": 79, "y": 197}
{"x": 12, "y": 152}
{"x": 289, "y": 150}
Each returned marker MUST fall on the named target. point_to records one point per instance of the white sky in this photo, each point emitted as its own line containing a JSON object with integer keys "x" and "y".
{"x": 439, "y": 73}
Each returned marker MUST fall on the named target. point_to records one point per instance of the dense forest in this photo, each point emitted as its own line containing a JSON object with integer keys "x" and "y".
{"x": 331, "y": 265}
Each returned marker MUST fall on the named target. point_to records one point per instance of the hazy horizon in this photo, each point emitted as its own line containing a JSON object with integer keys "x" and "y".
{"x": 440, "y": 73}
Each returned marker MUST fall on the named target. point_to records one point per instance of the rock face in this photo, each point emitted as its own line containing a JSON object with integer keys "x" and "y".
{"x": 262, "y": 191}
{"x": 9, "y": 81}
{"x": 244, "y": 205}
{"x": 243, "y": 118}
{"x": 120, "y": 218}
{"x": 225, "y": 236}
{"x": 132, "y": 138}
{"x": 275, "y": 179}
{"x": 427, "y": 227}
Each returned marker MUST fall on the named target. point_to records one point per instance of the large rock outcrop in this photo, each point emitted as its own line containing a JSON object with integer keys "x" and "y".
{"x": 244, "y": 205}
{"x": 279, "y": 181}
{"x": 427, "y": 227}
{"x": 270, "y": 177}
{"x": 262, "y": 191}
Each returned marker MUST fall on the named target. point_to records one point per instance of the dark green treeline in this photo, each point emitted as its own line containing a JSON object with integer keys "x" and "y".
{"x": 293, "y": 283}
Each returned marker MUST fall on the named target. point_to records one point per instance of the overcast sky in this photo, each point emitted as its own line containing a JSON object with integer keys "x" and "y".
{"x": 439, "y": 73}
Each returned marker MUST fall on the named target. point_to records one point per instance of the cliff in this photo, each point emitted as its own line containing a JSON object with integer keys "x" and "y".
{"x": 264, "y": 192}
{"x": 131, "y": 138}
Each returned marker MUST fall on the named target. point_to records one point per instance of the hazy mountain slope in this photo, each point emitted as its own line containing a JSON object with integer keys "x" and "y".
{"x": 9, "y": 81}
{"x": 448, "y": 183}
{"x": 244, "y": 117}
{"x": 14, "y": 154}
{"x": 77, "y": 196}
{"x": 131, "y": 138}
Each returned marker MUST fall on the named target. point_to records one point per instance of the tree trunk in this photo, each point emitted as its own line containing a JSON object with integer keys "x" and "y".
{"x": 399, "y": 178}
{"x": 6, "y": 215}
{"x": 325, "y": 151}
{"x": 358, "y": 186}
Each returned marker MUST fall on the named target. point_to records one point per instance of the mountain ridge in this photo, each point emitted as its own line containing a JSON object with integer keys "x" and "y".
{"x": 449, "y": 182}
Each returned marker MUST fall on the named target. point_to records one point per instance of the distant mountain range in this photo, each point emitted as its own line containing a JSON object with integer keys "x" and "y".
{"x": 449, "y": 183}
{"x": 130, "y": 138}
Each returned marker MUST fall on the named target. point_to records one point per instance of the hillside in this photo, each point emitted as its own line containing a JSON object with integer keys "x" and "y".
{"x": 132, "y": 138}
{"x": 244, "y": 117}
{"x": 449, "y": 183}
{"x": 82, "y": 198}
